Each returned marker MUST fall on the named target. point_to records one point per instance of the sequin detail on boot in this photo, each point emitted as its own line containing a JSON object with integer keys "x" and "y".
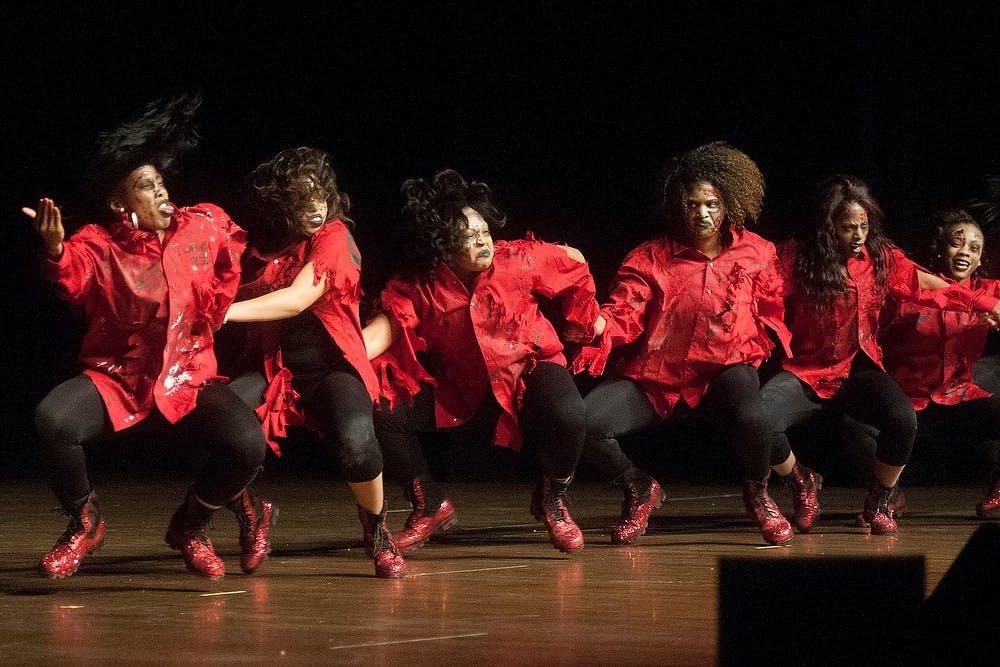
{"x": 641, "y": 497}
{"x": 186, "y": 533}
{"x": 84, "y": 535}
{"x": 256, "y": 518}
{"x": 548, "y": 505}
{"x": 877, "y": 513}
{"x": 379, "y": 545}
{"x": 989, "y": 506}
{"x": 774, "y": 527}
{"x": 804, "y": 485}
{"x": 420, "y": 525}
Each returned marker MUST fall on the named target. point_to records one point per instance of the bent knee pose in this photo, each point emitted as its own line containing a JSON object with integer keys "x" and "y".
{"x": 699, "y": 301}
{"x": 930, "y": 352}
{"x": 308, "y": 291}
{"x": 491, "y": 362}
{"x": 837, "y": 278}
{"x": 153, "y": 284}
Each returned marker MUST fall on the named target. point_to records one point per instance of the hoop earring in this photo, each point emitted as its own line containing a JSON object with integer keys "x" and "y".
{"x": 135, "y": 220}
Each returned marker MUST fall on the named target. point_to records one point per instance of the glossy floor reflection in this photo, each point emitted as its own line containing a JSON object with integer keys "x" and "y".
{"x": 490, "y": 591}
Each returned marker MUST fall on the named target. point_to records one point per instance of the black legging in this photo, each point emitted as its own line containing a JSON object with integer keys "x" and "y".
{"x": 72, "y": 415}
{"x": 970, "y": 425}
{"x": 868, "y": 395}
{"x": 618, "y": 407}
{"x": 339, "y": 406}
{"x": 551, "y": 417}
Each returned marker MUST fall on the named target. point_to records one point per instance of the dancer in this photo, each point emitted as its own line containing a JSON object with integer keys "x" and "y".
{"x": 836, "y": 280}
{"x": 315, "y": 361}
{"x": 700, "y": 301}
{"x": 490, "y": 360}
{"x": 930, "y": 352}
{"x": 153, "y": 285}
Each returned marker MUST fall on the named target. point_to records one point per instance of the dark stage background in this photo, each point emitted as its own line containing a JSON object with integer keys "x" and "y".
{"x": 569, "y": 109}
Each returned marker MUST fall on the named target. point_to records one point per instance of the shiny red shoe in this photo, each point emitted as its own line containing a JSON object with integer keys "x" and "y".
{"x": 380, "y": 547}
{"x": 638, "y": 504}
{"x": 774, "y": 527}
{"x": 186, "y": 533}
{"x": 420, "y": 525}
{"x": 255, "y": 517}
{"x": 804, "y": 485}
{"x": 548, "y": 505}
{"x": 877, "y": 513}
{"x": 989, "y": 507}
{"x": 84, "y": 535}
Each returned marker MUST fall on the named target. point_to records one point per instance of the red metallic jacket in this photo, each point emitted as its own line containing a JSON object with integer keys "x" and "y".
{"x": 151, "y": 307}
{"x": 825, "y": 343}
{"x": 930, "y": 352}
{"x": 691, "y": 315}
{"x": 486, "y": 340}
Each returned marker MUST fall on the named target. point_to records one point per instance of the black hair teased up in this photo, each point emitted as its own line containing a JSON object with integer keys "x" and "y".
{"x": 432, "y": 212}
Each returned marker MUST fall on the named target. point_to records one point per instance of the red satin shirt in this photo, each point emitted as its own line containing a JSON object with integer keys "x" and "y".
{"x": 825, "y": 343}
{"x": 692, "y": 316}
{"x": 930, "y": 352}
{"x": 335, "y": 255}
{"x": 486, "y": 340}
{"x": 151, "y": 307}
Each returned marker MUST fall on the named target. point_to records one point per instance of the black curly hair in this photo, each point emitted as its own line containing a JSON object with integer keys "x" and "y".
{"x": 281, "y": 188}
{"x": 945, "y": 225}
{"x": 819, "y": 269}
{"x": 432, "y": 213}
{"x": 733, "y": 174}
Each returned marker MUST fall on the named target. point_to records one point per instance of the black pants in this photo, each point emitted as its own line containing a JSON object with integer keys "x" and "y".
{"x": 551, "y": 418}
{"x": 971, "y": 426}
{"x": 868, "y": 396}
{"x": 72, "y": 415}
{"x": 618, "y": 407}
{"x": 337, "y": 405}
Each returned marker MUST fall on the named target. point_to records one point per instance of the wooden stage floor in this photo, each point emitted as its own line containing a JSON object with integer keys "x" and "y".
{"x": 491, "y": 591}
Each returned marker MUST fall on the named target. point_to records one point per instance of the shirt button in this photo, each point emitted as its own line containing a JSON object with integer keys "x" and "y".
{"x": 712, "y": 264}
{"x": 708, "y": 291}
{"x": 275, "y": 261}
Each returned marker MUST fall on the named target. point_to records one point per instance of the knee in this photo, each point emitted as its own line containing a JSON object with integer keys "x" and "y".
{"x": 568, "y": 413}
{"x": 54, "y": 427}
{"x": 248, "y": 445}
{"x": 357, "y": 450}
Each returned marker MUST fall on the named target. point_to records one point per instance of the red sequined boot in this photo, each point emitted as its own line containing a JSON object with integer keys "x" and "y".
{"x": 255, "y": 517}
{"x": 548, "y": 505}
{"x": 877, "y": 513}
{"x": 186, "y": 533}
{"x": 804, "y": 485}
{"x": 642, "y": 495}
{"x": 989, "y": 507}
{"x": 84, "y": 534}
{"x": 379, "y": 545}
{"x": 774, "y": 527}
{"x": 420, "y": 525}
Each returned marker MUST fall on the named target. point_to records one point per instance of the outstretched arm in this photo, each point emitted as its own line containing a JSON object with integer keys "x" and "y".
{"x": 283, "y": 303}
{"x": 380, "y": 332}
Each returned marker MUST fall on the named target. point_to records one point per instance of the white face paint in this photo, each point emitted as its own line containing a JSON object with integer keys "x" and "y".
{"x": 477, "y": 251}
{"x": 704, "y": 213}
